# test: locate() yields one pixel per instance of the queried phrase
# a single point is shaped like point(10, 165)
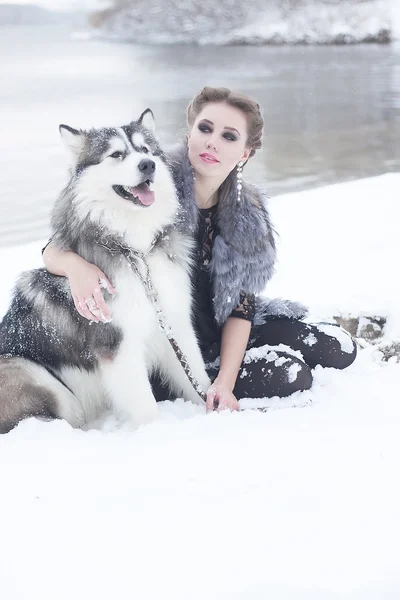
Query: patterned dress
point(207, 329)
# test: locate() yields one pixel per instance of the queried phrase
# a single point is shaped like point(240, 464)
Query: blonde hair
point(255, 122)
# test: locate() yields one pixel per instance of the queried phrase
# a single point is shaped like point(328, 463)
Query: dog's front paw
point(143, 417)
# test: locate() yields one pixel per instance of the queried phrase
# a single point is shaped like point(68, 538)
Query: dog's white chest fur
point(144, 346)
point(134, 311)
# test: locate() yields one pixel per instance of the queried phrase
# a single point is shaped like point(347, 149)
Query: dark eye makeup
point(231, 137)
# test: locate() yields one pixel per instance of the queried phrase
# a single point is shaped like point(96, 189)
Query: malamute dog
point(120, 201)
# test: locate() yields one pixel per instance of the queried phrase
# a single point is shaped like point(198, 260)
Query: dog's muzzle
point(141, 195)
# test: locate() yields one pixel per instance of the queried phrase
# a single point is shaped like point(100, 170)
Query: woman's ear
point(246, 154)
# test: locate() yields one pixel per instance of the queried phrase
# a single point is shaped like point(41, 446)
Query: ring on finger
point(91, 303)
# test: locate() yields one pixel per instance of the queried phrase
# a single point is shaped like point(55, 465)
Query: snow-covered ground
point(293, 504)
point(339, 249)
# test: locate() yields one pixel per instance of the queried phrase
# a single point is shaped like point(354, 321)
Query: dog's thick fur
point(56, 364)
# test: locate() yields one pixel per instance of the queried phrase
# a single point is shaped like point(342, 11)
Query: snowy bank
point(395, 18)
point(339, 249)
point(295, 504)
point(230, 22)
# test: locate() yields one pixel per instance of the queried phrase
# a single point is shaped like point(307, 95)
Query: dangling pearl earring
point(239, 180)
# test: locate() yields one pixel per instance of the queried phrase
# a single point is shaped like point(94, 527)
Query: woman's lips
point(208, 158)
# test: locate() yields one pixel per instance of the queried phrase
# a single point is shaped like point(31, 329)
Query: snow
point(258, 22)
point(320, 22)
point(290, 504)
point(310, 340)
point(344, 340)
point(395, 10)
point(293, 371)
point(339, 248)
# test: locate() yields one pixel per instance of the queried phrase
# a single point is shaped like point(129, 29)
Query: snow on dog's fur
point(54, 363)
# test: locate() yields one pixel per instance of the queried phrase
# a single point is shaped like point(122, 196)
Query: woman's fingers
point(94, 309)
point(104, 283)
point(86, 281)
point(220, 398)
point(226, 405)
point(78, 306)
point(103, 311)
point(211, 397)
point(85, 311)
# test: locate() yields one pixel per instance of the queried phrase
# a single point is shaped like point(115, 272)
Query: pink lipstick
point(208, 158)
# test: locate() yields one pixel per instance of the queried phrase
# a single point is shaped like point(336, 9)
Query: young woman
point(234, 259)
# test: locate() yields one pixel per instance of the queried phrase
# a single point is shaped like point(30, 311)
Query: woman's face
point(218, 140)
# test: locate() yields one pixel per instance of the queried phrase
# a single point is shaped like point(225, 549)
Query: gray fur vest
point(244, 253)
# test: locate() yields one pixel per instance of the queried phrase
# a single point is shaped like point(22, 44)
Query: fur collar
point(244, 252)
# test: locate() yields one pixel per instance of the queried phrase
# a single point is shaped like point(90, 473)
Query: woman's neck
point(206, 191)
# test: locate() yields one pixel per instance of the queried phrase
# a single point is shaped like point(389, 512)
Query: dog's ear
point(72, 138)
point(146, 119)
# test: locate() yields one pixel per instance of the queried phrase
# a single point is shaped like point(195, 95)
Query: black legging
point(276, 372)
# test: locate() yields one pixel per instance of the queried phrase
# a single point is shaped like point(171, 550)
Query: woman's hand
point(86, 281)
point(220, 397)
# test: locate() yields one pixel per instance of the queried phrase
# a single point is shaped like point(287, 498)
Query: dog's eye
point(116, 154)
point(144, 149)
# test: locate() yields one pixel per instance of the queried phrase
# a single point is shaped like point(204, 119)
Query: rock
point(367, 328)
point(350, 324)
point(370, 328)
point(369, 331)
point(389, 350)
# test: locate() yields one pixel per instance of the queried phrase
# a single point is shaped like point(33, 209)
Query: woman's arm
point(85, 280)
point(235, 336)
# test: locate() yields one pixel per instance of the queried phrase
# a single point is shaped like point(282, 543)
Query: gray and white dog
point(120, 200)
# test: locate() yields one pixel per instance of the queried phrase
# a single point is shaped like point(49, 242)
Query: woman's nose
point(212, 143)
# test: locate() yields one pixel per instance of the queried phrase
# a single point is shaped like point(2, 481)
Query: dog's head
point(119, 167)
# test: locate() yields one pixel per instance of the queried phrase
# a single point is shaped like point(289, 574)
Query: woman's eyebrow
point(226, 127)
point(232, 129)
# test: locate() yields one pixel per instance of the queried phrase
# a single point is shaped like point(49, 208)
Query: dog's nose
point(147, 166)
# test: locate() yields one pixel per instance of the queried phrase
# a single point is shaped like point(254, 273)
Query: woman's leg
point(320, 344)
point(264, 374)
point(269, 373)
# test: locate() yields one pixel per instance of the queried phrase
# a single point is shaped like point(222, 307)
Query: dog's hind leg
point(29, 390)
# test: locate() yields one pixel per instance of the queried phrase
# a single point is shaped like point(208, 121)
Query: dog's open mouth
point(142, 194)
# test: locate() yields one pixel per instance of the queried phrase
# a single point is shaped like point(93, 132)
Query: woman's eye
point(204, 128)
point(116, 154)
point(144, 149)
point(230, 137)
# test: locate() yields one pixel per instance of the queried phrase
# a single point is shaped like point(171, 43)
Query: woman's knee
point(278, 374)
point(298, 375)
point(337, 349)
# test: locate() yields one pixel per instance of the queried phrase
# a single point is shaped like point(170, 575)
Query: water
point(331, 113)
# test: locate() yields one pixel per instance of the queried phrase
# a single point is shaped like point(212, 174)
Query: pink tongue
point(145, 195)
